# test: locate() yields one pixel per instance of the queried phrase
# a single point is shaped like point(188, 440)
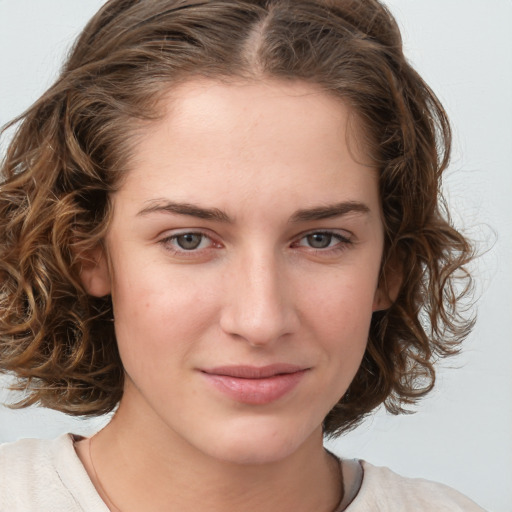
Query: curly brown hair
point(71, 146)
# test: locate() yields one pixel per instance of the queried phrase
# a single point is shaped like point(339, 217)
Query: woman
point(224, 220)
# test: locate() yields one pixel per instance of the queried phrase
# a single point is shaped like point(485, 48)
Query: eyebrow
point(303, 215)
point(165, 206)
point(329, 211)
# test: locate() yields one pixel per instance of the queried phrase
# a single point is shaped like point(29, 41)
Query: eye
point(320, 240)
point(187, 242)
point(324, 240)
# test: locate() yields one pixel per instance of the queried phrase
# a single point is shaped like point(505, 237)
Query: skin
point(267, 283)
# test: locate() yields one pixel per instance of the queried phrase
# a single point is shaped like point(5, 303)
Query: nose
point(259, 301)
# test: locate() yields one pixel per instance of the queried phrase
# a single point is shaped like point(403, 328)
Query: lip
point(255, 385)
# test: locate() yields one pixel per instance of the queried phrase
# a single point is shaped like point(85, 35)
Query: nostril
point(258, 328)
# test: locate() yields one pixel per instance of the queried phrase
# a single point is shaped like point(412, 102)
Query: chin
point(259, 443)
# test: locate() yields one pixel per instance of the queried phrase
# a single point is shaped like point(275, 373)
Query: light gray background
point(461, 435)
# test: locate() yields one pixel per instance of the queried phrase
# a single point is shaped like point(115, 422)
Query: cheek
point(339, 322)
point(340, 314)
point(159, 316)
point(344, 298)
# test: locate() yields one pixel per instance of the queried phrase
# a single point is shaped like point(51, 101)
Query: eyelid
point(341, 234)
point(344, 240)
point(172, 235)
point(344, 237)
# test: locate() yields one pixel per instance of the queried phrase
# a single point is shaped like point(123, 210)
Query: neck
point(176, 476)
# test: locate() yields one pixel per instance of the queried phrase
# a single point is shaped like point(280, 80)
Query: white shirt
point(38, 475)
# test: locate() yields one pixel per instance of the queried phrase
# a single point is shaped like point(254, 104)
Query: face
point(244, 254)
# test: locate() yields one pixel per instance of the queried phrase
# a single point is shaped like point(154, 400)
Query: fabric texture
point(383, 490)
point(47, 476)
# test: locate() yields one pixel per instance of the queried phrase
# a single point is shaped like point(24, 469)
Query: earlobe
point(388, 289)
point(380, 301)
point(94, 272)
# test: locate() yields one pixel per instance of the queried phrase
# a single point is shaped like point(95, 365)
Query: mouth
point(255, 385)
point(254, 372)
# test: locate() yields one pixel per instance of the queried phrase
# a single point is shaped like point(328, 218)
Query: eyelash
point(343, 243)
point(169, 245)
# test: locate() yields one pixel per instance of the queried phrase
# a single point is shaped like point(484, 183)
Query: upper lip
point(254, 372)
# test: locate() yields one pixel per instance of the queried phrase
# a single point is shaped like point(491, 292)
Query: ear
point(95, 272)
point(390, 282)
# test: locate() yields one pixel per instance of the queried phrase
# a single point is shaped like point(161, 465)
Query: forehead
point(282, 137)
point(204, 107)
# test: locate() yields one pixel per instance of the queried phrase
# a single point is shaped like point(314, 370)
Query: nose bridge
point(259, 305)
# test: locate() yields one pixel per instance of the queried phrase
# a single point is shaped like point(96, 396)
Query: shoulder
point(44, 475)
point(24, 464)
point(385, 490)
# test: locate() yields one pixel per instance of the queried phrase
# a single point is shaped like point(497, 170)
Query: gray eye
point(319, 240)
point(189, 241)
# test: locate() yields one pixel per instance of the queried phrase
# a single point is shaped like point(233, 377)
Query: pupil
point(189, 241)
point(319, 240)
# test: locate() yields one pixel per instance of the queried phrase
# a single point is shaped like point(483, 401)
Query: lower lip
point(256, 391)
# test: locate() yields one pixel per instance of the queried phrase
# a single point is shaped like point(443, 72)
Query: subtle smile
point(255, 385)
